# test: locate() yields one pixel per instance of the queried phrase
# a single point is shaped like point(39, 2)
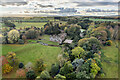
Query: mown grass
point(31, 52)
point(46, 37)
point(49, 42)
point(110, 61)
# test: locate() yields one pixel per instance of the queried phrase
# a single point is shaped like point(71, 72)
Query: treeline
point(103, 17)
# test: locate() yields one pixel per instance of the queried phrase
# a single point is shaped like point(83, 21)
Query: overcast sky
point(10, 6)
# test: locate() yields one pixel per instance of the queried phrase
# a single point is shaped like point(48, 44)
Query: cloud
point(96, 3)
point(13, 2)
point(43, 6)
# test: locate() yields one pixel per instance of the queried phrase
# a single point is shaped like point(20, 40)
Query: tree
point(67, 68)
point(9, 24)
point(13, 36)
point(78, 52)
point(83, 71)
point(74, 32)
point(94, 69)
point(30, 75)
point(54, 69)
point(100, 33)
point(39, 65)
point(82, 75)
point(31, 34)
point(83, 25)
point(89, 30)
point(61, 60)
point(51, 29)
point(77, 62)
point(90, 44)
point(71, 75)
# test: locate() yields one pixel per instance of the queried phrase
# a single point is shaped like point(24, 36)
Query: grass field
point(113, 20)
point(110, 61)
point(27, 24)
point(30, 52)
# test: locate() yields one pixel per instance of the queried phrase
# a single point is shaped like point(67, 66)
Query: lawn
point(110, 61)
point(49, 42)
point(46, 37)
point(30, 52)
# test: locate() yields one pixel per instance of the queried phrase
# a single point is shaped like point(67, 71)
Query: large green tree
point(78, 52)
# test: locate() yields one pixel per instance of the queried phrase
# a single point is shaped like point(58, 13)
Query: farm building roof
point(68, 41)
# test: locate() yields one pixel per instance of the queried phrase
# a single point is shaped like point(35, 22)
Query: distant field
point(30, 52)
point(110, 61)
point(113, 20)
point(28, 24)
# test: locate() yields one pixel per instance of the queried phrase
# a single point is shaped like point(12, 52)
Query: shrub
point(39, 66)
point(13, 36)
point(31, 34)
point(24, 38)
point(20, 73)
point(11, 55)
point(12, 58)
point(45, 75)
point(20, 41)
point(109, 42)
point(6, 68)
point(21, 65)
point(30, 75)
point(4, 30)
point(4, 60)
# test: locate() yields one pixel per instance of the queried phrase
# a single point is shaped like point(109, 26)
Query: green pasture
point(31, 52)
point(113, 20)
point(110, 61)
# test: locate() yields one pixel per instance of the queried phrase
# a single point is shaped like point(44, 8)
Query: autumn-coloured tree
point(13, 36)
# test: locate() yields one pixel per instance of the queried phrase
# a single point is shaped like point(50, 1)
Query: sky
point(19, 6)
